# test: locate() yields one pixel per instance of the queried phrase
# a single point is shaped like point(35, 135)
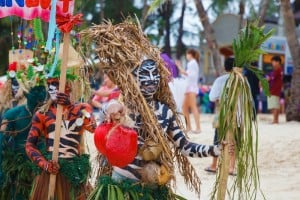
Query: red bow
point(66, 23)
point(12, 66)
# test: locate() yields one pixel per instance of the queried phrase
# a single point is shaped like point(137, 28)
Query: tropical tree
point(209, 36)
point(293, 104)
point(179, 44)
point(263, 10)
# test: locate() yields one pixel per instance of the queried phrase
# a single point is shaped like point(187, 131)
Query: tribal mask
point(53, 85)
point(14, 86)
point(148, 77)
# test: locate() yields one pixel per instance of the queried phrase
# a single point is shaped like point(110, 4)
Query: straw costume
point(132, 63)
point(73, 167)
point(18, 171)
point(11, 95)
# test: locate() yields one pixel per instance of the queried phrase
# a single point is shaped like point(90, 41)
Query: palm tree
point(209, 36)
point(293, 105)
point(263, 10)
point(179, 44)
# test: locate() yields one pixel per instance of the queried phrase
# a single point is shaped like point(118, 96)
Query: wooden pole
point(62, 83)
point(224, 168)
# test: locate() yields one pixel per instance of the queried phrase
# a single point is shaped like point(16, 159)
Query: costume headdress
point(121, 48)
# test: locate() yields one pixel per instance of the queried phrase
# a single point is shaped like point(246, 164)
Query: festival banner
point(30, 9)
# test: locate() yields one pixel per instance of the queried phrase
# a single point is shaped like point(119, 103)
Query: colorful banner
point(30, 9)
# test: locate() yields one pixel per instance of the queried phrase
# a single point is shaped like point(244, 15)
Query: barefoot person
point(162, 144)
point(275, 83)
point(191, 93)
point(72, 167)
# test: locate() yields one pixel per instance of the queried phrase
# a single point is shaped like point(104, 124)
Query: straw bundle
point(121, 48)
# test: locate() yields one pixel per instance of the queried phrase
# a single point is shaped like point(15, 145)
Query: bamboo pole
point(62, 83)
point(229, 138)
point(224, 173)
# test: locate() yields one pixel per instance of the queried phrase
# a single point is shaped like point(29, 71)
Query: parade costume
point(74, 166)
point(17, 168)
point(135, 66)
point(11, 95)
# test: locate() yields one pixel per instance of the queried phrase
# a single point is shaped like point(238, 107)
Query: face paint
point(14, 86)
point(53, 89)
point(148, 77)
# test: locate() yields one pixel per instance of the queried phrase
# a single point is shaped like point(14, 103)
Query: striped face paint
point(148, 77)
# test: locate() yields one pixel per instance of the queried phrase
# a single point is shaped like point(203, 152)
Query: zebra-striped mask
point(148, 77)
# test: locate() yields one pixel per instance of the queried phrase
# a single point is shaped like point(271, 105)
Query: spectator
point(275, 83)
point(214, 96)
point(106, 92)
point(254, 85)
point(190, 98)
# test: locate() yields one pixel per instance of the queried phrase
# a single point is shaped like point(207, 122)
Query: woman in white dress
point(190, 98)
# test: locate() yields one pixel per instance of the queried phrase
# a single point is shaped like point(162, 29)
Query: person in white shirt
point(214, 96)
point(190, 99)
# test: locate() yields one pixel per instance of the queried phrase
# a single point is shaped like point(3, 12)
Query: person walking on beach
point(275, 83)
point(215, 96)
point(190, 98)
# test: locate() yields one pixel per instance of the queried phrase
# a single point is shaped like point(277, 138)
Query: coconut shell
point(164, 176)
point(151, 151)
point(150, 173)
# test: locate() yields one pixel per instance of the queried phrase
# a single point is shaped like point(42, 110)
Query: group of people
point(137, 92)
point(28, 133)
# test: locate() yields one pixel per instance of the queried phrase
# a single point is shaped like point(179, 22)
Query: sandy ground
point(278, 159)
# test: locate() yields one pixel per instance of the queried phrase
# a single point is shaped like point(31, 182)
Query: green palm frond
point(247, 49)
point(155, 5)
point(237, 122)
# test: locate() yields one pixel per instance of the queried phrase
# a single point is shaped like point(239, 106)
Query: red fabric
point(100, 136)
point(118, 144)
point(100, 98)
point(114, 95)
point(121, 146)
point(66, 23)
point(276, 82)
point(12, 66)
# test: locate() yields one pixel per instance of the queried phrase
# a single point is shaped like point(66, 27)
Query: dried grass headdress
point(121, 48)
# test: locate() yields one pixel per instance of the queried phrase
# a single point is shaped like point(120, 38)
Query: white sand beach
point(278, 159)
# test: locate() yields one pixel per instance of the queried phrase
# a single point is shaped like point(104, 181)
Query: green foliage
point(260, 75)
point(38, 32)
point(107, 188)
point(70, 72)
point(117, 11)
point(247, 49)
point(155, 5)
point(237, 120)
point(30, 73)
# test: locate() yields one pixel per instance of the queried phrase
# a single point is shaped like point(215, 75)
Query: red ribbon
point(66, 23)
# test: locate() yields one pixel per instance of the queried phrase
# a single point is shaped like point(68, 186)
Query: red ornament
point(121, 146)
point(66, 23)
point(100, 136)
point(12, 66)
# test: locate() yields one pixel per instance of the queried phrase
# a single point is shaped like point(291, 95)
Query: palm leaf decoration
point(237, 121)
point(155, 5)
